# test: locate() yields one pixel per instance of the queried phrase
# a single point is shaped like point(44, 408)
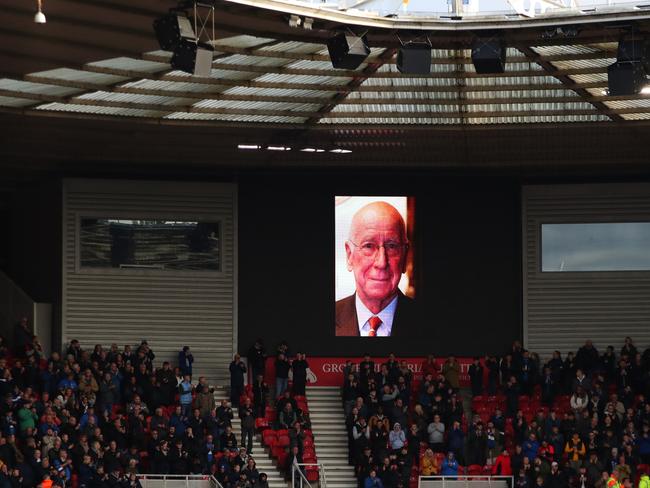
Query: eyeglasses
point(369, 249)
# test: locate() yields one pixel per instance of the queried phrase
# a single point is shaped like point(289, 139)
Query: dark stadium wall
point(35, 251)
point(468, 266)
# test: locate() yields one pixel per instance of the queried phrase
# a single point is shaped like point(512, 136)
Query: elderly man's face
point(377, 274)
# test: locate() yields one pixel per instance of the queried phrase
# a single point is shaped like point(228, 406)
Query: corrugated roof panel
point(236, 118)
point(295, 47)
point(37, 88)
point(396, 109)
point(402, 95)
point(642, 103)
point(643, 116)
point(309, 64)
point(523, 107)
point(524, 81)
point(160, 54)
point(562, 50)
point(227, 74)
point(538, 119)
point(589, 78)
point(131, 64)
point(410, 82)
point(584, 63)
point(17, 102)
point(279, 92)
point(173, 86)
point(244, 41)
point(91, 109)
point(514, 94)
point(314, 80)
point(132, 98)
point(393, 121)
point(435, 68)
point(253, 60)
point(250, 105)
point(77, 75)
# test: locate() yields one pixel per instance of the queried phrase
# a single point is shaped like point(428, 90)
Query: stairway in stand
point(330, 436)
point(261, 456)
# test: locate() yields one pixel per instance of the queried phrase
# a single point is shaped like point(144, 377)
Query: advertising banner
point(328, 371)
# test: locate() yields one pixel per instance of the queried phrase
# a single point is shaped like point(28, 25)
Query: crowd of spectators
point(576, 421)
point(101, 417)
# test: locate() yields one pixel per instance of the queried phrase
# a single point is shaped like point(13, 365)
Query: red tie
point(374, 322)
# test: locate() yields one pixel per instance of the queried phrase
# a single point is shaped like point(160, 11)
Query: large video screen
point(373, 249)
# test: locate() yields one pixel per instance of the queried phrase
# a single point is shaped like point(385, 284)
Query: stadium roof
point(287, 79)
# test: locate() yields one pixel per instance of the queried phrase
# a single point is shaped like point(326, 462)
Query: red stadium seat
point(283, 441)
point(261, 424)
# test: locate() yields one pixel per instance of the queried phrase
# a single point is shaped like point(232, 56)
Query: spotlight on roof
point(347, 51)
point(489, 55)
point(414, 58)
point(175, 33)
point(39, 17)
point(339, 150)
point(249, 146)
point(193, 57)
point(627, 76)
point(278, 148)
point(171, 29)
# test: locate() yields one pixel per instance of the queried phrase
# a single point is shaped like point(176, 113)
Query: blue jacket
point(373, 482)
point(449, 468)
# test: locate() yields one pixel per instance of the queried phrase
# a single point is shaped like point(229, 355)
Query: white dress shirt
point(386, 316)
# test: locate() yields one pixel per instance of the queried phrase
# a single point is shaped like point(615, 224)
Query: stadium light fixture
point(489, 55)
point(628, 75)
point(39, 17)
point(414, 58)
point(347, 51)
point(189, 38)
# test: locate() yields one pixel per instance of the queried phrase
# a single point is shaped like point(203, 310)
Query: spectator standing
point(282, 368)
point(299, 367)
point(22, 337)
point(476, 377)
point(237, 371)
point(247, 416)
point(451, 372)
point(185, 392)
point(185, 360)
point(257, 359)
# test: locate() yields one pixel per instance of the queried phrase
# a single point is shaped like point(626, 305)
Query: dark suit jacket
point(405, 318)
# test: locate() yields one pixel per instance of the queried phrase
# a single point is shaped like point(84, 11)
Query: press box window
point(150, 244)
point(596, 247)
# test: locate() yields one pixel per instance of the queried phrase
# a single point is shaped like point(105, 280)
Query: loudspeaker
point(414, 58)
point(636, 50)
point(489, 56)
point(625, 78)
point(194, 58)
point(171, 29)
point(347, 51)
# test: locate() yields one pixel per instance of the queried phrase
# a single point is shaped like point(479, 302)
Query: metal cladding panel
point(563, 309)
point(169, 309)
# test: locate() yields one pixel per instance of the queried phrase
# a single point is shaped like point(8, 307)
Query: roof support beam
point(568, 82)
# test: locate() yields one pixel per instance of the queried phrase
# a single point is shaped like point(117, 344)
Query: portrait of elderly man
point(376, 252)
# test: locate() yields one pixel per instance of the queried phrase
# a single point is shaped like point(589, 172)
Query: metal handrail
point(187, 477)
point(467, 478)
point(321, 473)
point(296, 467)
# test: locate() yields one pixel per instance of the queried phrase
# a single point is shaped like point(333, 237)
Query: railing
point(299, 479)
point(178, 481)
point(466, 481)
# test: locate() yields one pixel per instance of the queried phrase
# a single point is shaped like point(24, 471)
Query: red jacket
point(502, 466)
